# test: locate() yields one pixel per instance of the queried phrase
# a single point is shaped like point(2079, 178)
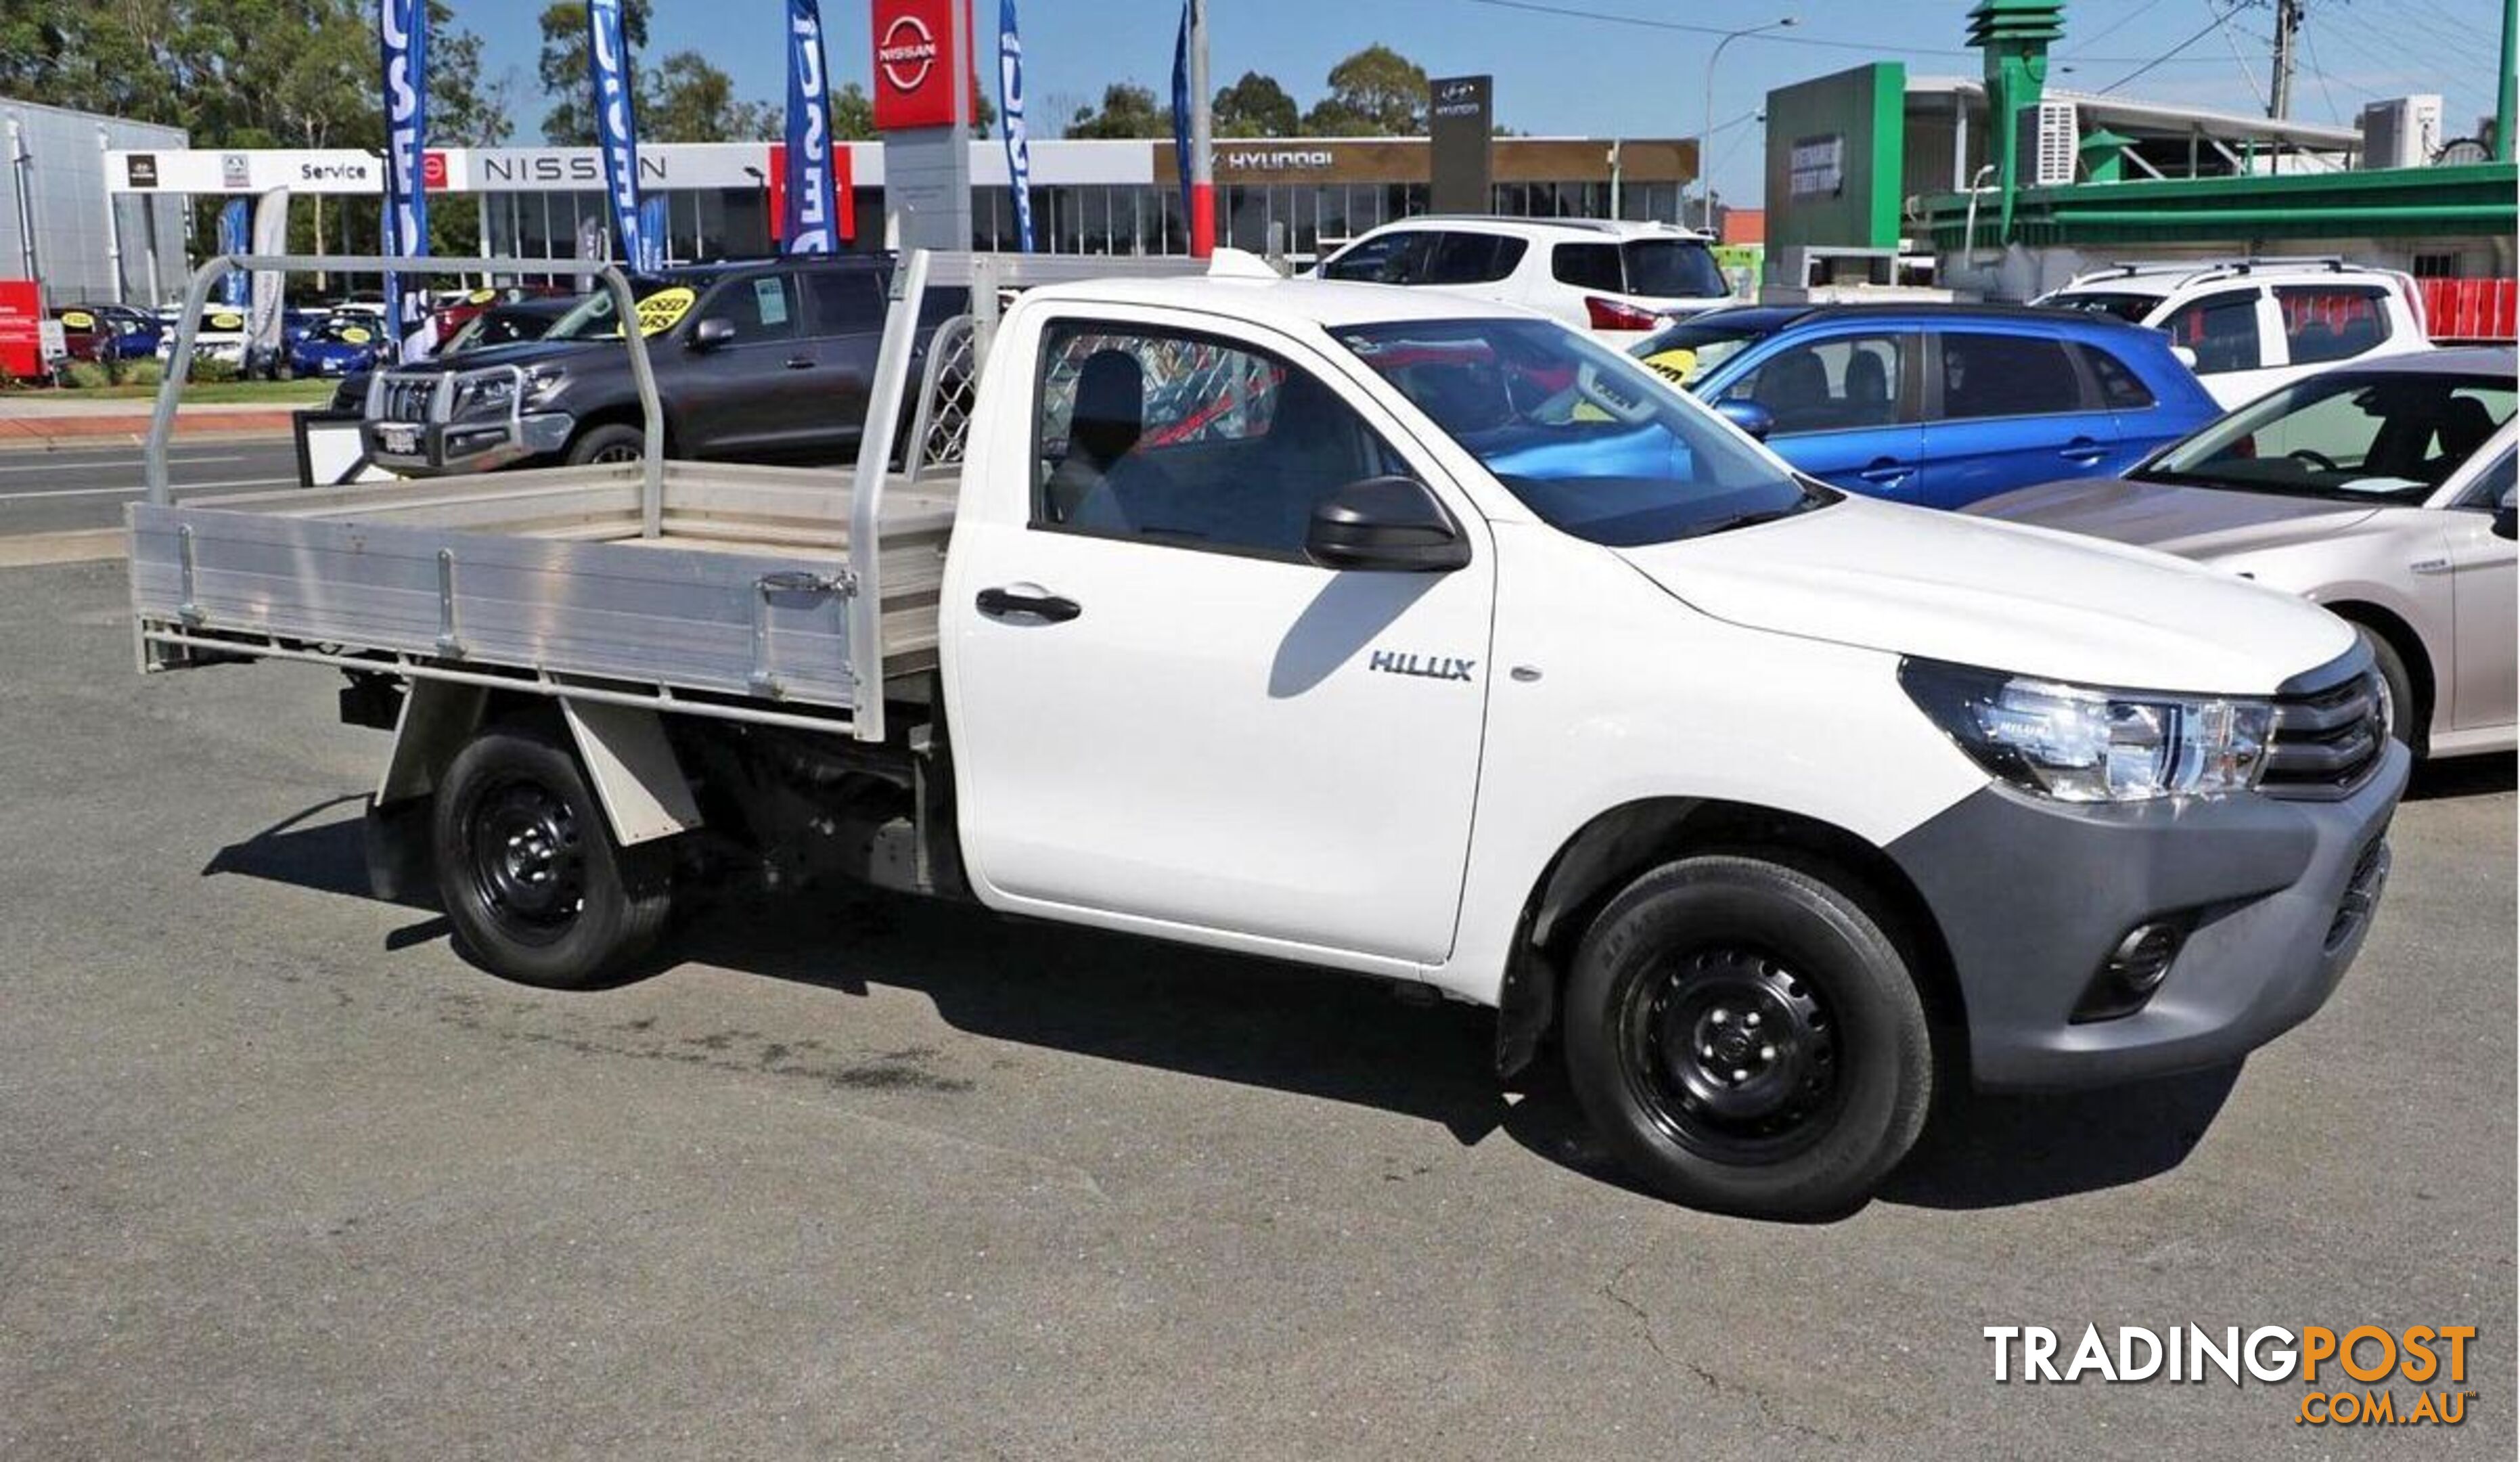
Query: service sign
point(916, 61)
point(21, 328)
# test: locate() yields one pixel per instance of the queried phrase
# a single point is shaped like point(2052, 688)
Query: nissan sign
point(917, 54)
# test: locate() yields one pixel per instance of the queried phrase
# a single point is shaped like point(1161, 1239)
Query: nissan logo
point(908, 53)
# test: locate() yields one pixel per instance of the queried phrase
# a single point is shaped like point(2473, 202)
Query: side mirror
point(2506, 516)
point(712, 335)
point(1748, 415)
point(2185, 357)
point(1393, 525)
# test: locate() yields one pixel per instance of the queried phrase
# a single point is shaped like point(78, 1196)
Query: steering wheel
point(2320, 460)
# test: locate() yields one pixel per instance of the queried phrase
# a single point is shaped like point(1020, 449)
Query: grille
point(407, 398)
point(2326, 742)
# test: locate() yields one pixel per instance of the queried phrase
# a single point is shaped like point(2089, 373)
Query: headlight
point(2082, 745)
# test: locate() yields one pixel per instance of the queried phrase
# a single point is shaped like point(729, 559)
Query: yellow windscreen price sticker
point(664, 310)
point(356, 336)
point(227, 321)
point(77, 319)
point(483, 296)
point(1680, 364)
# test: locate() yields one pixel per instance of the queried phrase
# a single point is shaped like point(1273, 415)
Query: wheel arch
point(2403, 638)
point(1621, 845)
point(620, 414)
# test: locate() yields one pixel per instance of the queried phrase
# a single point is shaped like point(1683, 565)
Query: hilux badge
point(1427, 666)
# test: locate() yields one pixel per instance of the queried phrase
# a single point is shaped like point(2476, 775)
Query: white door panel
point(1209, 742)
point(2485, 580)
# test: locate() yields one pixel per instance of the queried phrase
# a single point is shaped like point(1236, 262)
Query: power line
point(2247, 76)
point(2211, 27)
point(1645, 23)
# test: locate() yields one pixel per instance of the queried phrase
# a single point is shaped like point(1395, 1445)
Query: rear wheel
point(1744, 1037)
point(612, 442)
point(528, 872)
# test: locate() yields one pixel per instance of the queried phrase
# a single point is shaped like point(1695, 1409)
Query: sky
point(1563, 74)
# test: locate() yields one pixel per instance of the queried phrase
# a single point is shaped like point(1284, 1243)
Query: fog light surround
point(2134, 970)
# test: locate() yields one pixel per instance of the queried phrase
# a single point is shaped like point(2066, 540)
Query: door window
point(2121, 390)
point(844, 303)
point(1473, 258)
point(1188, 441)
point(2332, 322)
point(1845, 382)
point(1392, 259)
point(760, 308)
point(2221, 328)
point(1589, 266)
point(1986, 374)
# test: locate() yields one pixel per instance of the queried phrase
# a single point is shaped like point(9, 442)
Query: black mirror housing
point(1392, 524)
point(712, 333)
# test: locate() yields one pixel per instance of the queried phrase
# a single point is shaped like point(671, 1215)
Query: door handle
point(2083, 451)
point(1886, 472)
point(801, 362)
point(1027, 600)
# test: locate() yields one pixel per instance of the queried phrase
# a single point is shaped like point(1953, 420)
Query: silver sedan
point(2382, 491)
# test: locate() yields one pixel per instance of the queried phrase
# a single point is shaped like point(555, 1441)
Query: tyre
point(616, 442)
point(527, 870)
point(2405, 713)
point(1745, 1038)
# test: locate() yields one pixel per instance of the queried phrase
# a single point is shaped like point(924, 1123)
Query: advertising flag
point(616, 125)
point(270, 235)
point(1180, 114)
point(809, 205)
point(1011, 119)
point(232, 239)
point(402, 35)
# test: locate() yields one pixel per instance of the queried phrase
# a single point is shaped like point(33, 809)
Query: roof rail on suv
point(2197, 271)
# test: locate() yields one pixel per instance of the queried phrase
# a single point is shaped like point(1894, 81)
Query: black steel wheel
point(1745, 1038)
point(1731, 1053)
point(529, 873)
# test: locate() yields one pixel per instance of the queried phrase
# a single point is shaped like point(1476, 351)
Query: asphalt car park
point(851, 1175)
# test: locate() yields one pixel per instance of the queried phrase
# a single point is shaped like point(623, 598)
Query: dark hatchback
point(1937, 404)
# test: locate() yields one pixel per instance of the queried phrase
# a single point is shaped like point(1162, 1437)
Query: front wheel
point(613, 441)
point(1745, 1038)
point(528, 871)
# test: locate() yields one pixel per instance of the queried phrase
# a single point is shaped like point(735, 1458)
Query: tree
point(1378, 92)
point(693, 100)
point(852, 115)
point(1127, 111)
point(563, 68)
point(1256, 106)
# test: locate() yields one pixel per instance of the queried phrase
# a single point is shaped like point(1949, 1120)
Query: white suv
point(1614, 278)
point(2253, 324)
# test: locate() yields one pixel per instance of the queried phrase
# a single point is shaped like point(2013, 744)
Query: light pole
point(1706, 137)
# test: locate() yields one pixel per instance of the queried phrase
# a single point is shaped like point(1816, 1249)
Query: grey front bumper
point(2032, 895)
point(441, 447)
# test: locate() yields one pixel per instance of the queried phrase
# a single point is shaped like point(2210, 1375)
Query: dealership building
point(1088, 197)
point(60, 222)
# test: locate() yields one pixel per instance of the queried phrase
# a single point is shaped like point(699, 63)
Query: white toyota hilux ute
point(1392, 632)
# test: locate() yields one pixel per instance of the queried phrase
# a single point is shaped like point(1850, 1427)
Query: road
point(280, 1175)
point(85, 487)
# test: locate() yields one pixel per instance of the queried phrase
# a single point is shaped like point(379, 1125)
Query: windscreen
point(1586, 439)
point(1673, 269)
point(1687, 353)
point(2376, 437)
point(662, 303)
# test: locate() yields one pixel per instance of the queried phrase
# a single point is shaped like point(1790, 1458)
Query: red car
point(452, 317)
point(85, 335)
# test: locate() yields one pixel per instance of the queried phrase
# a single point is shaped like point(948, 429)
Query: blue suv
point(1937, 404)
